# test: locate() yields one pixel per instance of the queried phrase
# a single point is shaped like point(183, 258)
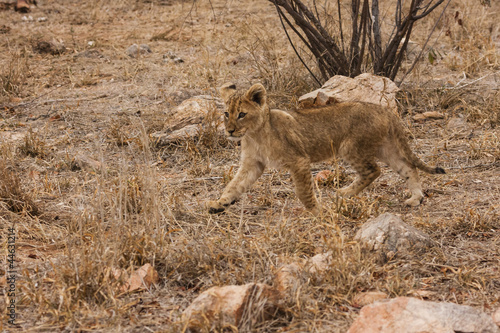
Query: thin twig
point(34, 99)
point(340, 26)
point(470, 83)
point(50, 101)
point(280, 14)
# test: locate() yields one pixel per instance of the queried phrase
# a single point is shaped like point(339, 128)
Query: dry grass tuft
point(33, 145)
point(476, 223)
point(12, 194)
point(13, 76)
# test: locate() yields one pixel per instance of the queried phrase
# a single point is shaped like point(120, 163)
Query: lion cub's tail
point(410, 156)
point(424, 167)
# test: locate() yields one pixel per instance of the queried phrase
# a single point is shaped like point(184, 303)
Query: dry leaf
point(428, 115)
point(142, 278)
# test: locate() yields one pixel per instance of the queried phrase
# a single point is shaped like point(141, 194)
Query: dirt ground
point(87, 190)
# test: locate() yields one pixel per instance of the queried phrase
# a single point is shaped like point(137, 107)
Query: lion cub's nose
point(231, 131)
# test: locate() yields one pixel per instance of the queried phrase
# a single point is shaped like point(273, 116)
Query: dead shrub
point(33, 145)
point(11, 192)
point(14, 75)
point(475, 223)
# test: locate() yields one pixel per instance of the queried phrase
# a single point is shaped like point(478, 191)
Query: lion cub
point(360, 133)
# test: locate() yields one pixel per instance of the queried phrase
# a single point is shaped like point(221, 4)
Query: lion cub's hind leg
point(408, 172)
point(367, 171)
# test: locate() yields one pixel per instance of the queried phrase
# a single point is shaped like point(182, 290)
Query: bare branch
point(340, 26)
point(377, 36)
point(364, 41)
point(280, 13)
point(428, 11)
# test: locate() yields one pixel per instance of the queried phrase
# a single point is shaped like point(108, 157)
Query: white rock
point(363, 88)
point(389, 233)
point(135, 50)
point(411, 315)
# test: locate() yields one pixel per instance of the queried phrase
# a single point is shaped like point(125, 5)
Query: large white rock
point(411, 315)
point(363, 88)
point(237, 306)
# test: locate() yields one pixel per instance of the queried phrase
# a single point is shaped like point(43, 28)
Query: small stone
point(169, 56)
point(135, 50)
point(324, 176)
point(144, 48)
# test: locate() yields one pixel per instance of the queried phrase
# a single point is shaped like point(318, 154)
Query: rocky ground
point(92, 195)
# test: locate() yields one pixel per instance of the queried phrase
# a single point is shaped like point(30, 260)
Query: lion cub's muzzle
point(234, 135)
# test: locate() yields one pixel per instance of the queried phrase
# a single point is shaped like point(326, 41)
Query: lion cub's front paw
point(215, 207)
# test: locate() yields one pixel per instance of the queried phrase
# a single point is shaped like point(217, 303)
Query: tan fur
point(359, 133)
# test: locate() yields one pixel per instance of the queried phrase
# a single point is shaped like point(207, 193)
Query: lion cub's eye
point(226, 114)
point(241, 115)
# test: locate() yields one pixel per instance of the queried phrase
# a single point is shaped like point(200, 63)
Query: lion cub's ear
point(257, 94)
point(227, 90)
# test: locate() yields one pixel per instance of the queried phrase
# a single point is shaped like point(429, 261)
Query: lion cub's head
point(245, 111)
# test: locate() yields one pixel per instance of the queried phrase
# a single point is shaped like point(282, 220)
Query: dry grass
point(135, 203)
point(12, 194)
